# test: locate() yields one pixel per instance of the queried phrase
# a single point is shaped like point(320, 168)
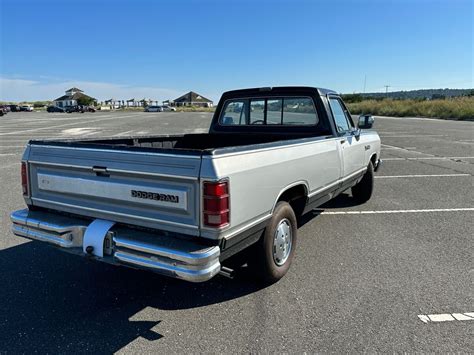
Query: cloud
point(32, 90)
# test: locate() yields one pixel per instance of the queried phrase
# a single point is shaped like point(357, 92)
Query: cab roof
point(278, 90)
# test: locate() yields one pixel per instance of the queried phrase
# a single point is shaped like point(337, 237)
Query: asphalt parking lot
point(392, 275)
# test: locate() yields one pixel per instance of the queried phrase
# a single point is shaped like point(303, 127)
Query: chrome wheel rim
point(282, 242)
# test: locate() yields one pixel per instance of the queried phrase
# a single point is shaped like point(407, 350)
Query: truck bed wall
point(187, 142)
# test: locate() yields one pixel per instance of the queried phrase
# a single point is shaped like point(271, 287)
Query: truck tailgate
point(155, 190)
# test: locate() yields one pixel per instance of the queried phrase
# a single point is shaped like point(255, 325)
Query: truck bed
point(190, 143)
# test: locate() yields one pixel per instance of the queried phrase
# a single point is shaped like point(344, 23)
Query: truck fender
point(302, 183)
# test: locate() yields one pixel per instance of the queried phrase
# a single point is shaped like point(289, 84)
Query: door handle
point(343, 140)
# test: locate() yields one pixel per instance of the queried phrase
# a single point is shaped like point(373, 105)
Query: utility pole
point(365, 81)
point(386, 90)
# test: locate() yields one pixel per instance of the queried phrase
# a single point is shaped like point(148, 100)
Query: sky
point(162, 49)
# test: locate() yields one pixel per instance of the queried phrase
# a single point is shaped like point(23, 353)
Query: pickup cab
point(180, 205)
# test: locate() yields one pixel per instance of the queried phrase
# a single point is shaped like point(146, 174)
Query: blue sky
point(161, 49)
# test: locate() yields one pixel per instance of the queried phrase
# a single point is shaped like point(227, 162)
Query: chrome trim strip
point(197, 156)
point(217, 154)
point(114, 170)
point(247, 226)
point(338, 181)
point(154, 220)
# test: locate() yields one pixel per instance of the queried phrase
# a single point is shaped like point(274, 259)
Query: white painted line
point(441, 317)
point(9, 165)
point(419, 176)
point(445, 317)
point(386, 146)
point(65, 125)
point(431, 210)
point(460, 316)
point(412, 135)
point(426, 158)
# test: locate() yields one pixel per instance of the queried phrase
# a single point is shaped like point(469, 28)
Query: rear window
point(297, 111)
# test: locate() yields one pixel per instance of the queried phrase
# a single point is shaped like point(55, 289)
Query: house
point(71, 97)
point(192, 99)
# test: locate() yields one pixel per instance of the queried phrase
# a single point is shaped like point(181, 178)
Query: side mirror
point(366, 121)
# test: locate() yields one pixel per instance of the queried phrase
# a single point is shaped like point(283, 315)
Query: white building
point(71, 97)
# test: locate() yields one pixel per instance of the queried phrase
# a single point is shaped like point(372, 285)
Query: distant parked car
point(168, 108)
point(4, 109)
point(79, 108)
point(55, 109)
point(154, 109)
point(75, 108)
point(26, 108)
point(14, 108)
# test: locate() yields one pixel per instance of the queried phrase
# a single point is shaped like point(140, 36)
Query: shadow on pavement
point(55, 302)
point(341, 201)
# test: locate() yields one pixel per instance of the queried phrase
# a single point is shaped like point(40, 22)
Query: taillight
point(24, 178)
point(216, 203)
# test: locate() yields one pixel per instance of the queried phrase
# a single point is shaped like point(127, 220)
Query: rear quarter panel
point(257, 177)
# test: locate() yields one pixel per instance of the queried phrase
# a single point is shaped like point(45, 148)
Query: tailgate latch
point(100, 171)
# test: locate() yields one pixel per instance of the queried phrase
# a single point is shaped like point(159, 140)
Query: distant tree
point(39, 104)
point(86, 101)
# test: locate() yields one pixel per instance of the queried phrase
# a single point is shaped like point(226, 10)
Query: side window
point(299, 111)
point(274, 111)
point(257, 111)
point(234, 114)
point(339, 114)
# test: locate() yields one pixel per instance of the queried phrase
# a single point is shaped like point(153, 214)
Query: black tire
point(362, 192)
point(262, 260)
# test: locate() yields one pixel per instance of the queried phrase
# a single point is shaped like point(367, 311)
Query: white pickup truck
point(180, 205)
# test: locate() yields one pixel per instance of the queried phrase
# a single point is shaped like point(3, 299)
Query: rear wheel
point(362, 192)
point(274, 253)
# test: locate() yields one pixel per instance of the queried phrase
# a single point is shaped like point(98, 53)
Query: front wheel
point(274, 253)
point(362, 192)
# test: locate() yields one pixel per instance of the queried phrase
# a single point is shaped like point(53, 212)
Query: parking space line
point(386, 146)
point(9, 165)
point(412, 136)
point(426, 158)
point(63, 125)
point(446, 317)
point(431, 210)
point(419, 176)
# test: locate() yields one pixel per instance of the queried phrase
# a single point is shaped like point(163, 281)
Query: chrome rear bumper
point(162, 253)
